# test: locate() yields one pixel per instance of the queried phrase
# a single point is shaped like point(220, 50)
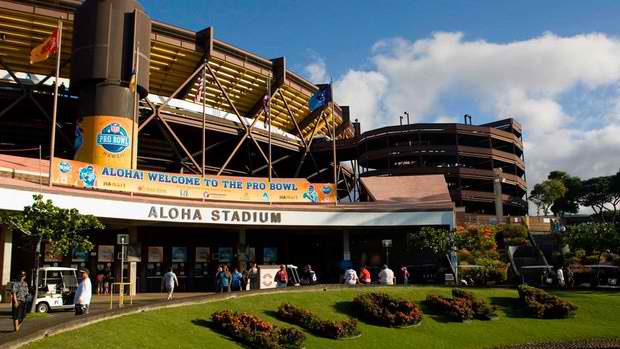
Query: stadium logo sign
point(64, 167)
point(113, 138)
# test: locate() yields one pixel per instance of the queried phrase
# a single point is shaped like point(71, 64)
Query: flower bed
point(544, 305)
point(385, 310)
point(462, 306)
point(324, 328)
point(255, 332)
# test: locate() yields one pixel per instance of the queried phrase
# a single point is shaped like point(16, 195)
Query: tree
point(64, 229)
point(439, 241)
point(594, 238)
point(602, 194)
point(546, 193)
point(569, 202)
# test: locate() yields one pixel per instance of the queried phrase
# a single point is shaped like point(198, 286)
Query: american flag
point(266, 100)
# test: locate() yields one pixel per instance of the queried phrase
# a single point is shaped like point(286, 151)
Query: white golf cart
point(57, 287)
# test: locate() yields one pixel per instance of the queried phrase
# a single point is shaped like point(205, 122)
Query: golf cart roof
point(57, 269)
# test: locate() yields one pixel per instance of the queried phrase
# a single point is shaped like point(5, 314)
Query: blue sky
point(552, 65)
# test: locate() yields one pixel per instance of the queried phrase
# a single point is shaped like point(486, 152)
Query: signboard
point(105, 253)
point(122, 239)
point(222, 188)
point(270, 254)
point(179, 254)
point(155, 254)
point(386, 243)
point(202, 254)
point(225, 254)
point(78, 255)
point(267, 275)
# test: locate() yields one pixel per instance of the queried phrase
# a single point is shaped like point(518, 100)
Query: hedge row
point(256, 333)
point(544, 305)
point(324, 328)
point(462, 306)
point(385, 310)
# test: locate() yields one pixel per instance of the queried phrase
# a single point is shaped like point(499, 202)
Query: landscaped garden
point(320, 316)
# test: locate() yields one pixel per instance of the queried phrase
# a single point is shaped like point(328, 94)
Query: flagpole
point(268, 111)
point(334, 141)
point(55, 107)
point(134, 146)
point(204, 117)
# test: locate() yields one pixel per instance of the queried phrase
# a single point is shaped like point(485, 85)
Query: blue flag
point(321, 98)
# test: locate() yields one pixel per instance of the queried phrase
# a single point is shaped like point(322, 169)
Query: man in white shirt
point(83, 294)
point(386, 276)
point(170, 281)
point(350, 277)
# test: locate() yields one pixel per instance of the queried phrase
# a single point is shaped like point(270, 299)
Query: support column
point(346, 251)
point(242, 250)
point(6, 246)
point(132, 271)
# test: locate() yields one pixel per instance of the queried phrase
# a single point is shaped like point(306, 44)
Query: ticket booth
point(154, 270)
point(200, 270)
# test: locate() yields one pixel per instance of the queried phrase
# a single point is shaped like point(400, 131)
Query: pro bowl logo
point(326, 189)
point(64, 167)
point(88, 176)
point(113, 138)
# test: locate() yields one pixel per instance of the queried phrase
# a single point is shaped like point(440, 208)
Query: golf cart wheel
point(43, 308)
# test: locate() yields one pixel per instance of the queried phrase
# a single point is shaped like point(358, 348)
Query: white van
point(57, 287)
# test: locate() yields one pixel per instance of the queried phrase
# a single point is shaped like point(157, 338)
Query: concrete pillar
point(242, 250)
point(346, 251)
point(133, 266)
point(6, 246)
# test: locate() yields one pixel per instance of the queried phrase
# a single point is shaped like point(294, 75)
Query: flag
point(199, 91)
point(45, 49)
point(266, 100)
point(133, 83)
point(321, 98)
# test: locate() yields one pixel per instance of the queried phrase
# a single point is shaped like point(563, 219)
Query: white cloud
point(316, 71)
point(533, 81)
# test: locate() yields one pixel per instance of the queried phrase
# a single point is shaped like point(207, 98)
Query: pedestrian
point(245, 280)
point(224, 280)
point(404, 273)
point(100, 277)
point(83, 294)
point(309, 276)
point(253, 276)
point(170, 281)
point(236, 280)
point(217, 278)
point(350, 277)
point(281, 278)
point(365, 276)
point(386, 276)
point(560, 276)
point(19, 296)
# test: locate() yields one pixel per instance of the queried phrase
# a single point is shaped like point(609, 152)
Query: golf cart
point(57, 287)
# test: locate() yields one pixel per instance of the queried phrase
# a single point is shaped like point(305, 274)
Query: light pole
point(407, 117)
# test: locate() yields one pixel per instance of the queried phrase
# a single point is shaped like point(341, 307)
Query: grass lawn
point(598, 316)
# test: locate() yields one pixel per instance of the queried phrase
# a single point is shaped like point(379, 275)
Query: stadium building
point(205, 153)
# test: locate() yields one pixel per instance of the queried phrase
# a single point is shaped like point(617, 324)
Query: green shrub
point(544, 305)
point(514, 234)
point(458, 309)
point(385, 310)
point(325, 328)
point(256, 333)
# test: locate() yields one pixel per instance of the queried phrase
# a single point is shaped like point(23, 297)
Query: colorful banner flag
point(321, 98)
point(45, 49)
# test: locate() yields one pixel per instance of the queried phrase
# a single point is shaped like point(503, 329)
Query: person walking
point(253, 276)
point(350, 277)
point(236, 278)
point(386, 276)
point(281, 278)
point(309, 276)
point(404, 273)
point(170, 281)
point(224, 280)
point(19, 296)
point(365, 276)
point(83, 294)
